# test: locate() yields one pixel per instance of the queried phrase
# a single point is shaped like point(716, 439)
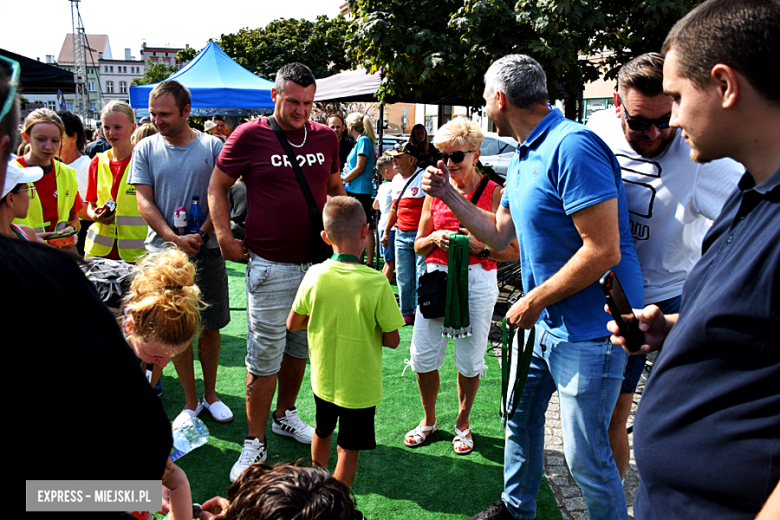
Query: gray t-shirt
point(175, 173)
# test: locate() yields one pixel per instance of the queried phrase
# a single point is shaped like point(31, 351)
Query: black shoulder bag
point(432, 287)
point(319, 251)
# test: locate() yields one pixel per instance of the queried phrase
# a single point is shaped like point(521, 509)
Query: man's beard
point(651, 154)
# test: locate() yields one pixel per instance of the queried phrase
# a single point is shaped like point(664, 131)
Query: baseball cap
point(406, 148)
point(15, 175)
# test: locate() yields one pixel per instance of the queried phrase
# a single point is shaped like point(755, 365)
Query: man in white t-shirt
point(672, 202)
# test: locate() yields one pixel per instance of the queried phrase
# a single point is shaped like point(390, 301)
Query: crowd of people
point(676, 190)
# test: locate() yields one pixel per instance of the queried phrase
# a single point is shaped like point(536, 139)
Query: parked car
point(391, 141)
point(497, 152)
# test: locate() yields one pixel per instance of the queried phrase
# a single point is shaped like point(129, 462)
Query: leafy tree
point(318, 44)
point(155, 73)
point(410, 42)
point(424, 44)
point(186, 55)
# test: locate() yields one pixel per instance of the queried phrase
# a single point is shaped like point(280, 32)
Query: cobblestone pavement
point(567, 493)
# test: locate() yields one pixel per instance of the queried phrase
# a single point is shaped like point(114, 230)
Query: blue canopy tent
point(218, 85)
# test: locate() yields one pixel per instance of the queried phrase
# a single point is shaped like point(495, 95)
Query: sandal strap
point(422, 432)
point(460, 436)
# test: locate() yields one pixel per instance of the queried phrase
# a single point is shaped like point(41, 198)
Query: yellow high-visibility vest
point(129, 228)
point(67, 189)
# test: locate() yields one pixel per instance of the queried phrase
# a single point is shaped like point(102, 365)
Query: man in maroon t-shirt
point(278, 235)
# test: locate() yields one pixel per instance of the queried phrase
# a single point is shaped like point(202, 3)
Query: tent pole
point(381, 131)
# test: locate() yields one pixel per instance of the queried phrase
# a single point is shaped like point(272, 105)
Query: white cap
point(15, 175)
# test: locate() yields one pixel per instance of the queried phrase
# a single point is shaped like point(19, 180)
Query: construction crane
point(81, 105)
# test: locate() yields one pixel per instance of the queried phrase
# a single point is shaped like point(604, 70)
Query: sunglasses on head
point(640, 124)
point(457, 157)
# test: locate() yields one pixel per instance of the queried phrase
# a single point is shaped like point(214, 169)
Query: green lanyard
point(345, 258)
point(456, 311)
point(510, 397)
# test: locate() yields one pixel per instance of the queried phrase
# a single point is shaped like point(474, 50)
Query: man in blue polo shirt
point(707, 433)
point(564, 200)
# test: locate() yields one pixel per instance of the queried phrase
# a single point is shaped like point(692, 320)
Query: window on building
point(154, 61)
point(91, 86)
point(446, 114)
point(123, 87)
point(110, 87)
point(167, 61)
point(124, 69)
point(70, 106)
point(111, 68)
point(52, 105)
point(106, 69)
point(92, 107)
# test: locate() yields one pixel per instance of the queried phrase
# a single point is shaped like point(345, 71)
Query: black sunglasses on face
point(457, 157)
point(640, 124)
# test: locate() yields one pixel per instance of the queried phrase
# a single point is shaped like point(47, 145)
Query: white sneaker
point(293, 426)
point(253, 452)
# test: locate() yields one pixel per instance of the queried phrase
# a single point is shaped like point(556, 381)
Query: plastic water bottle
point(344, 172)
point(196, 217)
point(189, 435)
point(180, 221)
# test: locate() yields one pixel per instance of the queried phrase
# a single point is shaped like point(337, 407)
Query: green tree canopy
point(427, 44)
point(318, 44)
point(160, 71)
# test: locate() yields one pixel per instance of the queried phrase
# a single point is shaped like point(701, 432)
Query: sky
point(41, 25)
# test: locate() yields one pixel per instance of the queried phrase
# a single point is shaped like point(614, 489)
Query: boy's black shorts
point(356, 426)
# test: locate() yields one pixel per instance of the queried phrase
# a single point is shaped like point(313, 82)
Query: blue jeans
point(408, 268)
point(587, 376)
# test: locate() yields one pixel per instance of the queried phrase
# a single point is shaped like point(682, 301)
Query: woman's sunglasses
point(29, 189)
point(640, 124)
point(457, 157)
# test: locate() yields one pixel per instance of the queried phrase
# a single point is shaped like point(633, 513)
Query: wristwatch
point(485, 252)
point(205, 236)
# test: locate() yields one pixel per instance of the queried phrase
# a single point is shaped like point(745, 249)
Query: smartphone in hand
point(621, 311)
point(110, 207)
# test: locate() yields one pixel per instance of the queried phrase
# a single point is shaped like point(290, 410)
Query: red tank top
point(444, 219)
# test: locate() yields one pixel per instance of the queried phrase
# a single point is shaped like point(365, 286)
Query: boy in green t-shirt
point(351, 312)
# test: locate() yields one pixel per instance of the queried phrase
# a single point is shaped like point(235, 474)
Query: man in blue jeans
point(564, 200)
point(404, 217)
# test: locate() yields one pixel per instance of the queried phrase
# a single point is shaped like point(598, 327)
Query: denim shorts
point(636, 364)
point(270, 291)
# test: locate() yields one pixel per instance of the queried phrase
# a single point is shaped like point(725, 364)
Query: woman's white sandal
point(419, 434)
point(460, 438)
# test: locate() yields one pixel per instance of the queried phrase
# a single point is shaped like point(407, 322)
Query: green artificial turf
point(393, 481)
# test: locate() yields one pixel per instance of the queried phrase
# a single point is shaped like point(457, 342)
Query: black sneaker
point(496, 511)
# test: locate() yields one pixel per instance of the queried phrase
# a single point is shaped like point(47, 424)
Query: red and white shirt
point(410, 206)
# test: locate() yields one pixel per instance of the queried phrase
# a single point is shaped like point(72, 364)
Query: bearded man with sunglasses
point(672, 202)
